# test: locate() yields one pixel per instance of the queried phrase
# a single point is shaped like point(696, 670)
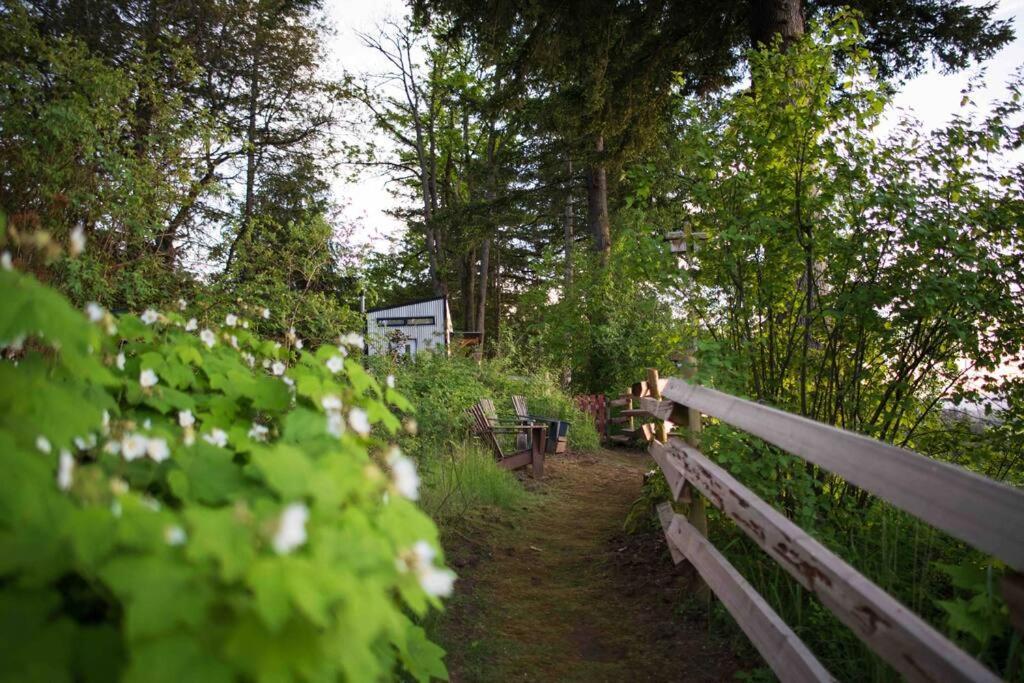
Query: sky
point(932, 98)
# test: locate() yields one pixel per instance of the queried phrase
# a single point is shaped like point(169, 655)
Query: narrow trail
point(557, 592)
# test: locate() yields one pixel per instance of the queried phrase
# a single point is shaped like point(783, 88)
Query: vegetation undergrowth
point(183, 499)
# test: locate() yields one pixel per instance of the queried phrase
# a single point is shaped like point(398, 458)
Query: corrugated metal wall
point(380, 339)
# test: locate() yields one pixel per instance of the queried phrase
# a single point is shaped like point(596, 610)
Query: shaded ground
point(557, 592)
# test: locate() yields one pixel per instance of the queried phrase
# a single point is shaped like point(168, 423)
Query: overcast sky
point(932, 97)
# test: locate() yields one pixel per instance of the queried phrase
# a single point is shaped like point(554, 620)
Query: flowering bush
point(185, 501)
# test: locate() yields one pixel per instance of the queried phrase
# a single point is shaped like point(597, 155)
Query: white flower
point(231, 320)
point(65, 469)
point(265, 313)
point(94, 311)
point(437, 582)
point(191, 325)
point(208, 338)
point(112, 447)
point(105, 424)
point(331, 402)
point(84, 444)
point(335, 364)
point(118, 486)
point(403, 475)
point(258, 432)
point(133, 446)
point(217, 437)
point(291, 528)
point(352, 339)
point(148, 378)
point(289, 381)
point(182, 304)
point(266, 363)
point(43, 444)
point(233, 341)
point(147, 423)
point(249, 359)
point(175, 535)
point(186, 418)
point(298, 343)
point(5, 261)
point(157, 450)
point(149, 316)
point(390, 381)
point(343, 350)
point(119, 361)
point(76, 243)
point(189, 437)
point(335, 424)
point(359, 421)
point(277, 368)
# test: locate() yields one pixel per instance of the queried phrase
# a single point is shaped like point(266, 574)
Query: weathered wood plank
point(514, 462)
point(982, 512)
point(665, 514)
point(896, 634)
point(784, 652)
point(619, 402)
point(641, 389)
point(634, 412)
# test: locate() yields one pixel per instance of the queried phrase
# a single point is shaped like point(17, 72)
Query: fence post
point(697, 514)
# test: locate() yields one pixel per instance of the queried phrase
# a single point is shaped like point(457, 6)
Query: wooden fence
point(983, 513)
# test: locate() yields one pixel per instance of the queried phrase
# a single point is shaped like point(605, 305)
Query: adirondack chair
point(557, 441)
point(489, 429)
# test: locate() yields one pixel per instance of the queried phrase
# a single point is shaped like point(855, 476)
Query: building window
point(406, 322)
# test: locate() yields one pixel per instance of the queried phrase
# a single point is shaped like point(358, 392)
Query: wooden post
point(537, 457)
point(662, 428)
point(697, 515)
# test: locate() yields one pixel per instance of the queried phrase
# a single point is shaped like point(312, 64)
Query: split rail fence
point(983, 513)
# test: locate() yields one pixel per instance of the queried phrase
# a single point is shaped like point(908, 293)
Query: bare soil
point(558, 592)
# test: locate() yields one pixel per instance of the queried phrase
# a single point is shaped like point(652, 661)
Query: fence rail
point(986, 514)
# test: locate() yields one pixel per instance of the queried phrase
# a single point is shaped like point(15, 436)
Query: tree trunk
point(485, 254)
point(597, 203)
point(769, 18)
point(567, 226)
point(469, 292)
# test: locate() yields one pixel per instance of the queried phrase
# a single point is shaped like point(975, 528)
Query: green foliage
point(442, 388)
point(467, 478)
point(211, 506)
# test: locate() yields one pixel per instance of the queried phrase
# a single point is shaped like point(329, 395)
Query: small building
point(409, 328)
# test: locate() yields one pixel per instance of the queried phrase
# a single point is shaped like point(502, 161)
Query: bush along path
point(557, 592)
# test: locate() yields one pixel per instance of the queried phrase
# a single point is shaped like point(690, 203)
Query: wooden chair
point(556, 430)
point(489, 431)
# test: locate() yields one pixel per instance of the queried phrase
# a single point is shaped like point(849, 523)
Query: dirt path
point(558, 593)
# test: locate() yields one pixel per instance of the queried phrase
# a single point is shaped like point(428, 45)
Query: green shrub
point(442, 387)
point(183, 501)
point(468, 478)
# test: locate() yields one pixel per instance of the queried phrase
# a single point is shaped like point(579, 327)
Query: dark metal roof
point(406, 303)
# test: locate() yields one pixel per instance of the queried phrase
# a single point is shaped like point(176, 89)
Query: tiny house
point(409, 328)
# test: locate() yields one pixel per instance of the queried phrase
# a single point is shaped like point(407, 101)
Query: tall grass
point(467, 478)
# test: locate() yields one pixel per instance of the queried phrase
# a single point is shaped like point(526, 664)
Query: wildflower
point(352, 339)
point(175, 535)
point(43, 444)
point(289, 381)
point(217, 437)
point(343, 351)
point(335, 424)
point(112, 447)
point(335, 364)
point(231, 320)
point(119, 361)
point(298, 343)
point(291, 528)
point(258, 432)
point(65, 469)
point(266, 363)
point(182, 304)
point(118, 486)
point(5, 261)
point(403, 475)
point(359, 421)
point(94, 311)
point(233, 340)
point(434, 580)
point(265, 313)
point(158, 450)
point(249, 359)
point(437, 582)
point(149, 316)
point(76, 242)
point(148, 378)
point(277, 368)
point(331, 402)
point(191, 325)
point(390, 381)
point(105, 424)
point(208, 338)
point(133, 446)
point(84, 444)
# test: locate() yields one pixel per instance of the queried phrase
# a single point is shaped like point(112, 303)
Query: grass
point(466, 478)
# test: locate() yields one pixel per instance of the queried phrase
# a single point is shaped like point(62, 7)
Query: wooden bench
point(557, 441)
point(488, 426)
